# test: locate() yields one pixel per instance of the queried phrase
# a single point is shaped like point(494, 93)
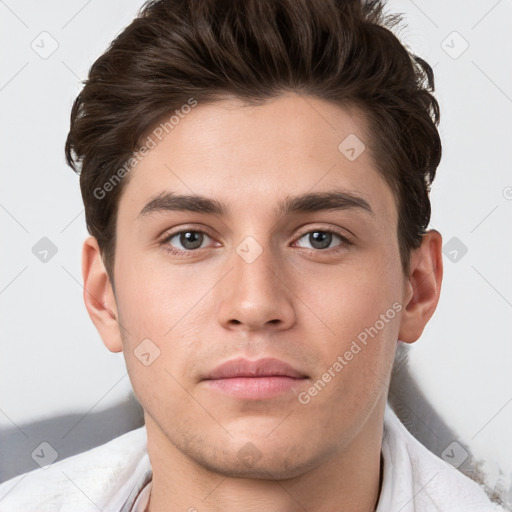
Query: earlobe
point(99, 296)
point(423, 287)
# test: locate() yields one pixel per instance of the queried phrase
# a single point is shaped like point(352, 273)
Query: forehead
point(244, 155)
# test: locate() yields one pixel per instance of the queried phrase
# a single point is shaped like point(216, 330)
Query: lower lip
point(255, 388)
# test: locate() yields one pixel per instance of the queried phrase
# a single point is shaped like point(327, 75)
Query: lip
point(254, 380)
point(266, 367)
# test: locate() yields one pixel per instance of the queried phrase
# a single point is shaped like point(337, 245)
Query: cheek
point(356, 357)
point(158, 337)
point(152, 299)
point(360, 313)
point(350, 299)
point(163, 318)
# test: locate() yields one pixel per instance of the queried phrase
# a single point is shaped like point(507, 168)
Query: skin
point(296, 302)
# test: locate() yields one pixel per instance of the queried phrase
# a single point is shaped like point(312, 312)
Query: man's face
point(318, 289)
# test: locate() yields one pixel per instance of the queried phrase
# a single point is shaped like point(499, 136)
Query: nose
point(256, 293)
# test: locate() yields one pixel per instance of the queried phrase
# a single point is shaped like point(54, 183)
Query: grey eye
point(320, 239)
point(189, 240)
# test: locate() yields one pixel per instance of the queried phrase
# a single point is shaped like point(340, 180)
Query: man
point(255, 177)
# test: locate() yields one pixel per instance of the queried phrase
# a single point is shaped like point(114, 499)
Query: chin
point(260, 459)
point(275, 469)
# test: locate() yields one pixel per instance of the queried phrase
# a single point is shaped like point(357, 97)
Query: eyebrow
point(305, 203)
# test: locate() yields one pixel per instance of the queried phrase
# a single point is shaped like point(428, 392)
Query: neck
point(348, 481)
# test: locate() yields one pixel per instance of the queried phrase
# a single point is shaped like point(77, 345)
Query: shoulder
point(421, 481)
point(100, 478)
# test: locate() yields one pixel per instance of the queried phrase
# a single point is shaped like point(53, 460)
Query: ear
point(99, 296)
point(423, 287)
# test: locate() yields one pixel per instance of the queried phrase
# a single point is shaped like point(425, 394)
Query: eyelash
point(169, 249)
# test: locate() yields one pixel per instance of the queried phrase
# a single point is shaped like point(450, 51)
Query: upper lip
point(265, 367)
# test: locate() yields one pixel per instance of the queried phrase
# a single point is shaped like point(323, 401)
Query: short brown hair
point(342, 51)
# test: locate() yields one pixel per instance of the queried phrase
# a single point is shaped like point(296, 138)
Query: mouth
point(255, 380)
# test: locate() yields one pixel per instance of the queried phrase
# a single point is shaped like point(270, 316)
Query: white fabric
point(116, 477)
point(141, 501)
point(416, 480)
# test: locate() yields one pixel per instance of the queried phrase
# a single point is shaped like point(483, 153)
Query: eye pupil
point(191, 239)
point(320, 239)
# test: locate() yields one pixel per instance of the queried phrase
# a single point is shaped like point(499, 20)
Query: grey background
point(60, 385)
